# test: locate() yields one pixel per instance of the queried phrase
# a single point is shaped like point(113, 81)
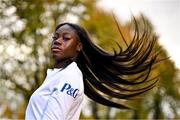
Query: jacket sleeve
point(60, 102)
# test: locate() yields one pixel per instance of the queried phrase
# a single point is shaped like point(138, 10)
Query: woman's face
point(65, 43)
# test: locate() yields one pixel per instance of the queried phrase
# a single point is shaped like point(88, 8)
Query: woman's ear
point(79, 47)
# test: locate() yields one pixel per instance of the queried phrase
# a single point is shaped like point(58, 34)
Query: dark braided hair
point(110, 77)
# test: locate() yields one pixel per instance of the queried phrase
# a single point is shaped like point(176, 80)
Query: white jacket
point(59, 97)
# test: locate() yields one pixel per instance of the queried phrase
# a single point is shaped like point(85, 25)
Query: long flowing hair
point(109, 77)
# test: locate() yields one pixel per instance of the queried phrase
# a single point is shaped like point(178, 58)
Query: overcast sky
point(164, 15)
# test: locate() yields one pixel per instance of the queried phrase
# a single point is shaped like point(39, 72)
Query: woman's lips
point(55, 49)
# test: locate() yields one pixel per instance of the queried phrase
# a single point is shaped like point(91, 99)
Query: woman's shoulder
point(71, 77)
point(72, 73)
point(73, 70)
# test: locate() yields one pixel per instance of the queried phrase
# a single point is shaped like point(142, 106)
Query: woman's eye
point(54, 38)
point(66, 38)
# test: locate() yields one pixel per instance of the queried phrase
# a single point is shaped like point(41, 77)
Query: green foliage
point(25, 55)
point(102, 27)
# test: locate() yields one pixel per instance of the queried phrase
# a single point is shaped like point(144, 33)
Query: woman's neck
point(62, 64)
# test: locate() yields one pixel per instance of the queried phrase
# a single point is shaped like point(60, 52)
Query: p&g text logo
point(69, 90)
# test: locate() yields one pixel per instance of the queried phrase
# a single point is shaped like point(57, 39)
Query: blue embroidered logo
point(69, 90)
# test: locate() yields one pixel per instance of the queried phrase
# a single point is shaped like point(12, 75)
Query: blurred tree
point(25, 36)
point(162, 101)
point(26, 28)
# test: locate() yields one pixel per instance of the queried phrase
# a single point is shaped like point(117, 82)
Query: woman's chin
point(56, 57)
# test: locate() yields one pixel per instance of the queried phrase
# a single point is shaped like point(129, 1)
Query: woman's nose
point(58, 41)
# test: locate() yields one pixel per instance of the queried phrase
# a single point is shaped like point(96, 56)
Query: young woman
point(82, 67)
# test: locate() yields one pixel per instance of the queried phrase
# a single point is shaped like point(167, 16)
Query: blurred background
point(26, 28)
